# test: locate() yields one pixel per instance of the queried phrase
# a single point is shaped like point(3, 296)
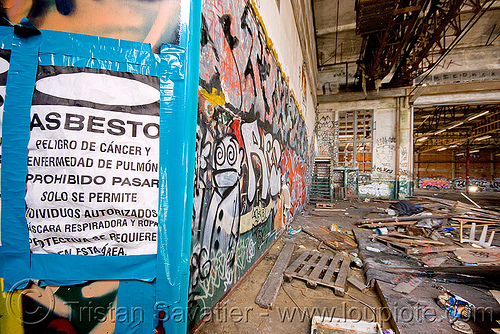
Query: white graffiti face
point(263, 157)
point(228, 158)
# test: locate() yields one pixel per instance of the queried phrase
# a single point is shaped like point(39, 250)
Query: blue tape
point(6, 37)
point(68, 268)
point(86, 46)
point(15, 250)
point(175, 222)
point(135, 302)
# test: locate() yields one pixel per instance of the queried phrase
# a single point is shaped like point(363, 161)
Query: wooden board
point(410, 249)
point(479, 256)
point(377, 225)
point(318, 268)
point(270, 289)
point(335, 240)
point(325, 205)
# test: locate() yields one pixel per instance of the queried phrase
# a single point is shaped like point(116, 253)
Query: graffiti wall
point(153, 22)
point(434, 183)
point(480, 183)
point(252, 152)
point(326, 134)
point(459, 183)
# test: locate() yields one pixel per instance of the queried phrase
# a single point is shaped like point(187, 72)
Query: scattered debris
point(292, 231)
point(479, 256)
point(455, 306)
point(413, 247)
point(462, 327)
point(373, 249)
point(356, 262)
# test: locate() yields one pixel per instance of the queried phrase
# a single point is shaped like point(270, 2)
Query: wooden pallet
point(325, 205)
point(318, 268)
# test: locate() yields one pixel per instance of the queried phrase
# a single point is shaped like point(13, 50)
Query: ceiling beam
point(333, 30)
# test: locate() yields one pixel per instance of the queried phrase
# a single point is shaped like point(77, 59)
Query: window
point(355, 139)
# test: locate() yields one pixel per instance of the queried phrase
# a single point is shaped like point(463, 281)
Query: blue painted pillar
point(178, 119)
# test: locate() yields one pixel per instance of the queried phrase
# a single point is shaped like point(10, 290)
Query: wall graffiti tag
point(325, 131)
point(434, 183)
point(385, 149)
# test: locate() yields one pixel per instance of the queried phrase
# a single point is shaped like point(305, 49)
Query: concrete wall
point(255, 120)
point(392, 170)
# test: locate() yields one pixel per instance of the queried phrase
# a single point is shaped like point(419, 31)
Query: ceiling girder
point(420, 32)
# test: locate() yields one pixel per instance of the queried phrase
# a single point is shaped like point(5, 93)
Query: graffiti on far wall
point(326, 133)
point(375, 189)
point(480, 183)
point(385, 149)
point(434, 183)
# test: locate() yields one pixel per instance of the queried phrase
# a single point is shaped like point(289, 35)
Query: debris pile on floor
point(434, 251)
point(425, 251)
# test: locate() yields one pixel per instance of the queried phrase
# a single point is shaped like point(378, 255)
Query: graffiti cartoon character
point(222, 226)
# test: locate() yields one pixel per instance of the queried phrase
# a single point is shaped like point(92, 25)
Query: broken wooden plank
point(489, 256)
point(470, 200)
point(339, 236)
point(413, 249)
point(358, 284)
point(335, 240)
point(400, 219)
point(325, 209)
point(409, 242)
point(415, 239)
point(270, 289)
point(325, 205)
point(408, 287)
point(430, 249)
point(377, 225)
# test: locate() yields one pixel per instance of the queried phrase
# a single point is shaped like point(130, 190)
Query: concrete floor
point(295, 302)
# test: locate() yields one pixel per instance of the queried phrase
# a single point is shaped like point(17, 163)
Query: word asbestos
point(94, 124)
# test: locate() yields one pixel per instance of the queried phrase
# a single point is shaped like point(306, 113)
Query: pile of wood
point(458, 208)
